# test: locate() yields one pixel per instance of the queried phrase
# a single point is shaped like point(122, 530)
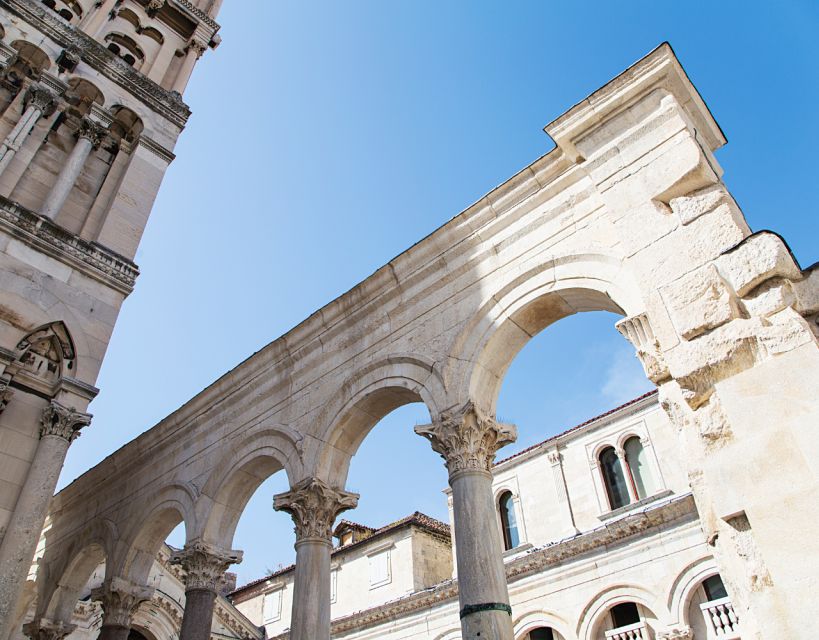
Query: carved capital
point(204, 564)
point(44, 629)
point(92, 131)
point(58, 420)
point(120, 600)
point(314, 506)
point(198, 47)
point(555, 457)
point(154, 6)
point(39, 97)
point(5, 392)
point(637, 330)
point(467, 438)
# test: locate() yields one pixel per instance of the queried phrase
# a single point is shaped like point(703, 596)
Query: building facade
point(601, 541)
point(90, 111)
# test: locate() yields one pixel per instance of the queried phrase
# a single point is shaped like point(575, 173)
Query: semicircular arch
point(250, 459)
point(685, 584)
point(538, 619)
point(365, 398)
point(521, 307)
point(592, 614)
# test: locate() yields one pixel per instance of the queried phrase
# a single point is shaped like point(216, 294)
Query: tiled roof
point(418, 519)
point(578, 426)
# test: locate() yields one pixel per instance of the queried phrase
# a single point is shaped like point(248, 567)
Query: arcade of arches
point(628, 214)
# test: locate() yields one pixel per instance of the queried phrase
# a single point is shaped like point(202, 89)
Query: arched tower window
point(509, 521)
point(637, 462)
point(614, 478)
point(543, 633)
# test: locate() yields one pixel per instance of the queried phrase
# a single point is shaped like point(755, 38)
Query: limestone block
point(770, 297)
point(760, 257)
point(807, 292)
point(692, 206)
point(700, 301)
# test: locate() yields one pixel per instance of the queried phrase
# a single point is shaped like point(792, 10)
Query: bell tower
point(90, 110)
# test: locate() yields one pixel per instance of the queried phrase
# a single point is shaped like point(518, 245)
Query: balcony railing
point(720, 619)
point(638, 631)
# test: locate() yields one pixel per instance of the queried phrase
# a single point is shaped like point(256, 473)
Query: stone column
point(204, 565)
point(120, 601)
point(38, 101)
point(44, 629)
point(193, 52)
point(626, 469)
point(59, 427)
point(468, 439)
point(89, 137)
point(314, 506)
point(562, 491)
point(98, 17)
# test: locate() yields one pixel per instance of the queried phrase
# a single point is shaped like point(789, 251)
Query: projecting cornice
point(53, 240)
point(166, 103)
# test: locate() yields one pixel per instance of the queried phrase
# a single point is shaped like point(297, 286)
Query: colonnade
point(466, 438)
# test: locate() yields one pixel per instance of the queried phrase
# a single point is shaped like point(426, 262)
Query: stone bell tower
point(90, 111)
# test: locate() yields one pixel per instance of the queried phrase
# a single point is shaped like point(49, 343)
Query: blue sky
point(328, 137)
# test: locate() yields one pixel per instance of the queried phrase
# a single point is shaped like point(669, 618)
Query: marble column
point(98, 17)
point(60, 426)
point(38, 101)
point(44, 629)
point(621, 456)
point(204, 566)
point(120, 601)
point(468, 439)
point(314, 506)
point(193, 52)
point(89, 137)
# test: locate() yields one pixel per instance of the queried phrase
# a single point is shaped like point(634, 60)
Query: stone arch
point(369, 395)
point(74, 564)
point(31, 59)
point(126, 125)
point(48, 351)
point(685, 584)
point(252, 458)
point(82, 94)
point(451, 634)
point(537, 619)
point(151, 526)
point(522, 307)
point(592, 615)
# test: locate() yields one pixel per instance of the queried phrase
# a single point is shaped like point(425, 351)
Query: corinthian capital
point(92, 131)
point(43, 629)
point(58, 420)
point(467, 438)
point(39, 97)
point(120, 600)
point(314, 506)
point(204, 564)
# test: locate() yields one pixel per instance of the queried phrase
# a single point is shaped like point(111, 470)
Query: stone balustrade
point(638, 631)
point(721, 620)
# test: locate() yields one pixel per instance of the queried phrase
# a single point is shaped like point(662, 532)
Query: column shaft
point(68, 176)
point(198, 618)
point(192, 54)
point(98, 17)
point(482, 591)
point(311, 590)
point(23, 532)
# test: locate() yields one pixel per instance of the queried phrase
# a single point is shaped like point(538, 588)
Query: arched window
point(509, 521)
point(637, 462)
point(543, 633)
point(614, 479)
point(625, 614)
point(714, 589)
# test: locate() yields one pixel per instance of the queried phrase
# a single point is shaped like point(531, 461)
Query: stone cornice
point(90, 258)
point(187, 7)
point(165, 103)
point(678, 509)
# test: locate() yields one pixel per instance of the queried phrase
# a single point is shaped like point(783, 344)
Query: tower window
point(624, 614)
point(637, 463)
point(714, 588)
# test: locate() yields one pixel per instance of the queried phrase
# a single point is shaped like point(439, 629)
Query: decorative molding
point(45, 235)
point(188, 7)
point(41, 98)
point(168, 104)
point(60, 421)
point(157, 149)
point(91, 131)
point(314, 506)
point(204, 564)
point(467, 438)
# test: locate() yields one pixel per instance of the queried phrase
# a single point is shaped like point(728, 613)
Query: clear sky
point(327, 137)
